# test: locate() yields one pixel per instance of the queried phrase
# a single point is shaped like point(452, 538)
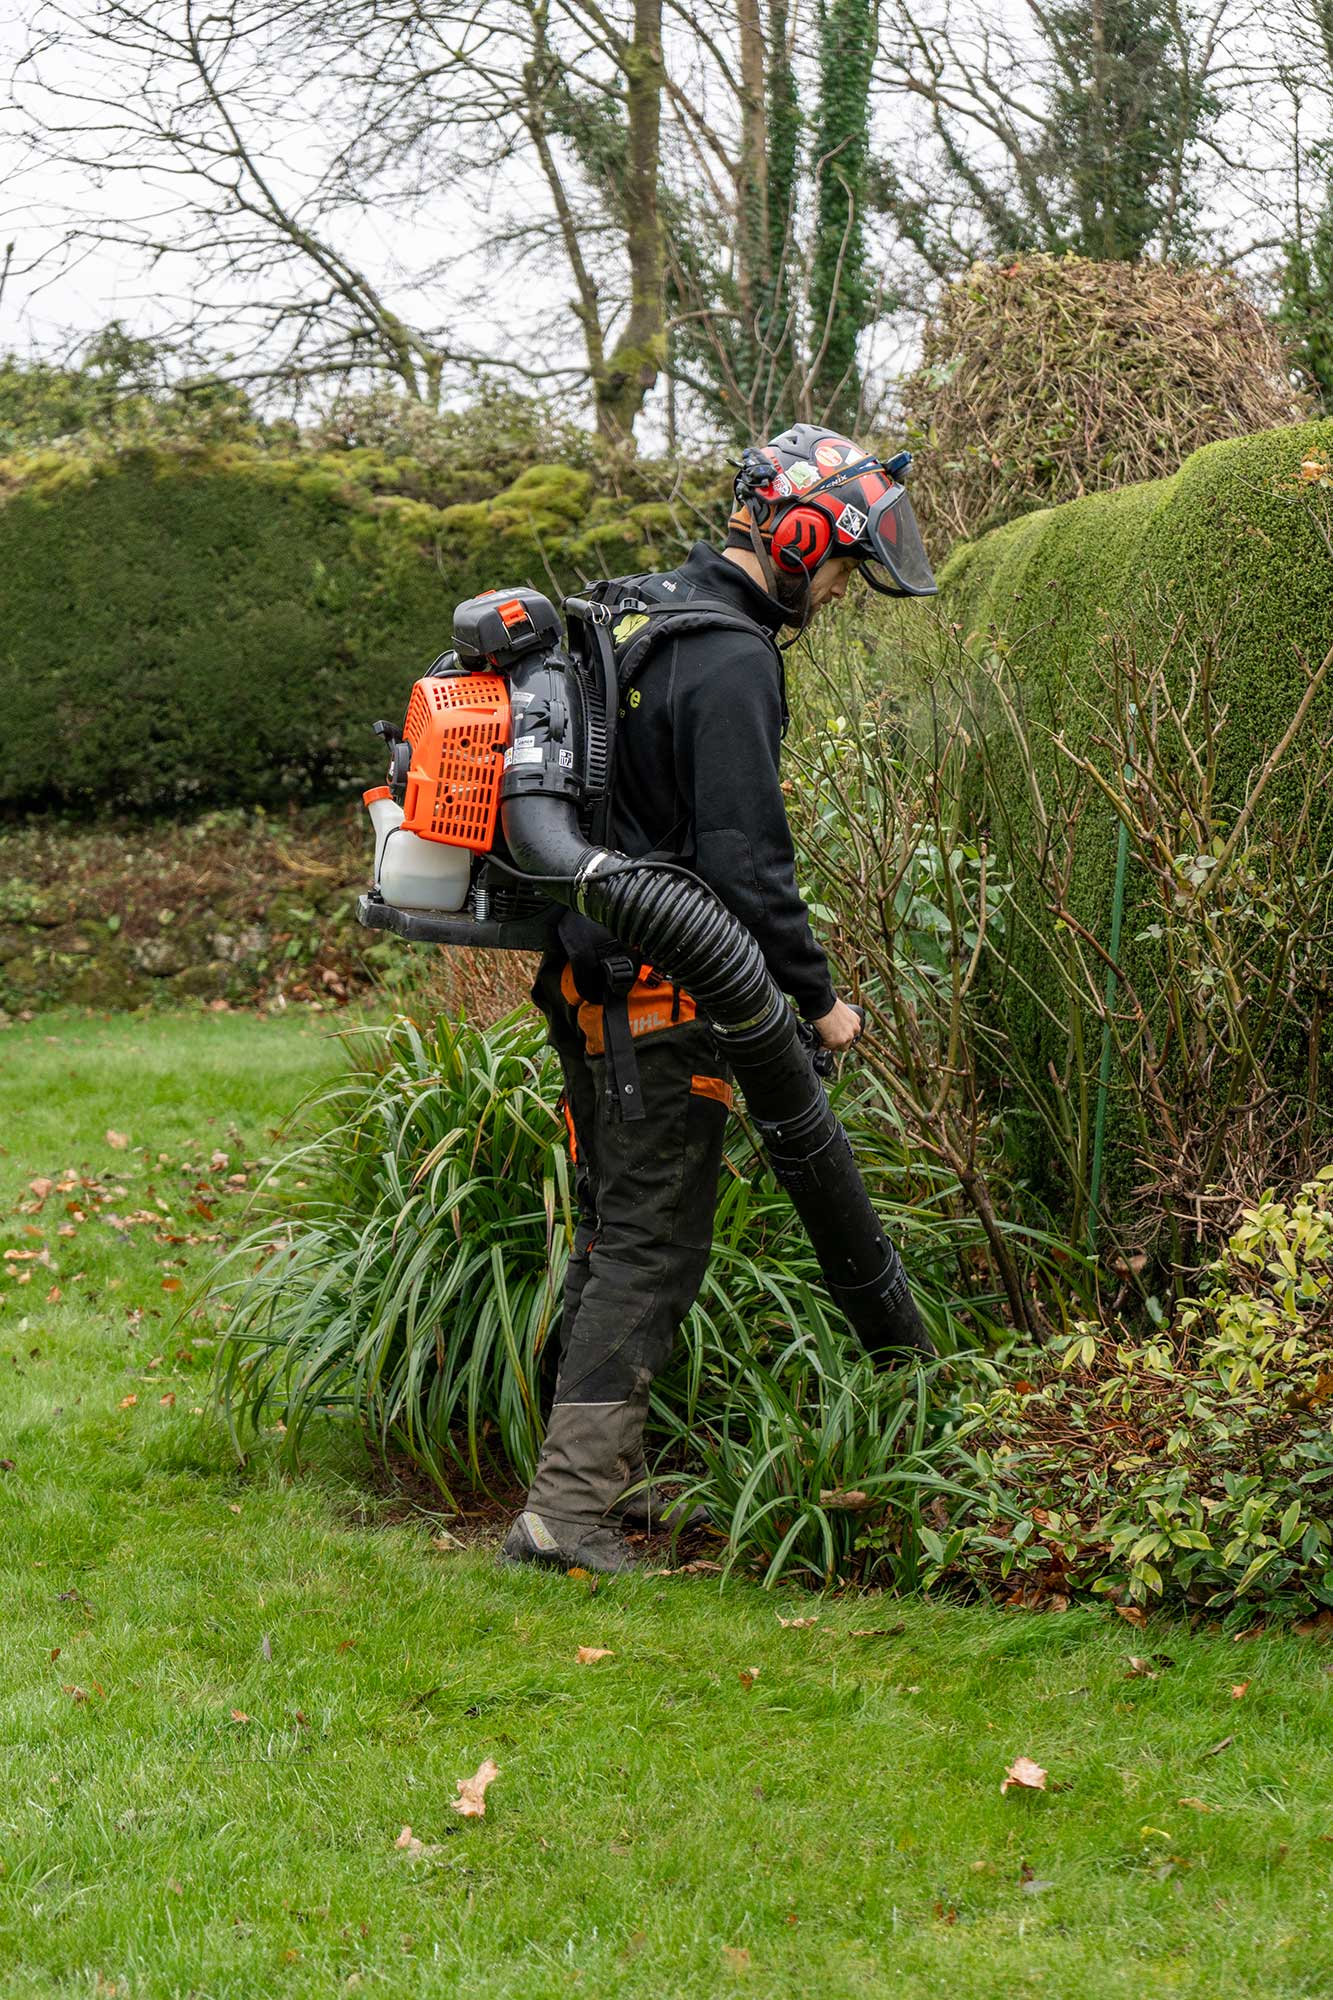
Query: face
point(829, 583)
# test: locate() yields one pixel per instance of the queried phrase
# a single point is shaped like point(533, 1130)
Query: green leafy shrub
point(417, 1287)
point(220, 624)
point(1176, 630)
point(1193, 1469)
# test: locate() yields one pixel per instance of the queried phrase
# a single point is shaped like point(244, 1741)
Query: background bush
point(196, 625)
point(1216, 578)
point(1043, 378)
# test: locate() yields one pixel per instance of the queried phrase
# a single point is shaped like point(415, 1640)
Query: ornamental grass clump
point(1045, 378)
point(415, 1291)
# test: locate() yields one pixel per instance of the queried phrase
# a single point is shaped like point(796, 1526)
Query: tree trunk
point(632, 367)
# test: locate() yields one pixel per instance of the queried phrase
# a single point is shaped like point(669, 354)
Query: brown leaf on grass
point(1240, 1690)
point(75, 1693)
point(41, 1187)
point(588, 1656)
point(747, 1677)
point(737, 1957)
point(8, 1465)
point(1133, 1614)
point(1320, 1627)
point(471, 1800)
point(1196, 1805)
point(1139, 1669)
point(1029, 1777)
point(118, 1140)
point(851, 1502)
point(417, 1850)
point(796, 1624)
point(878, 1632)
point(1250, 1632)
point(169, 1400)
point(55, 1654)
point(239, 1715)
point(1217, 1748)
point(128, 1402)
point(171, 1284)
point(54, 1296)
point(577, 1575)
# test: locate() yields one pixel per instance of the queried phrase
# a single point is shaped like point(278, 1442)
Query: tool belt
point(635, 1000)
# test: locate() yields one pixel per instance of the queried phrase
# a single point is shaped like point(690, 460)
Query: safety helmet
point(812, 494)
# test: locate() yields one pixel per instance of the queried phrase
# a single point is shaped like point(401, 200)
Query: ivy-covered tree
point(841, 290)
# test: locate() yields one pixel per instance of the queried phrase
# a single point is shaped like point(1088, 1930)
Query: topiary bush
point(220, 624)
point(1046, 378)
point(1177, 630)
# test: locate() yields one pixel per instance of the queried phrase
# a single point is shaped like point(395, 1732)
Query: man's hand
point(839, 1028)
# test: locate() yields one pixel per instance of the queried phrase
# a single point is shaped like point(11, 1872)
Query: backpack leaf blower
point(489, 827)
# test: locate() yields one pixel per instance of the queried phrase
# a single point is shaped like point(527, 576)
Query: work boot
point(560, 1545)
point(652, 1510)
point(570, 1519)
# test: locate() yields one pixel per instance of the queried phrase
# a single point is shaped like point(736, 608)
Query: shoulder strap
point(637, 633)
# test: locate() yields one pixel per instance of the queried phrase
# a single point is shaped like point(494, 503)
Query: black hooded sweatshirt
point(697, 774)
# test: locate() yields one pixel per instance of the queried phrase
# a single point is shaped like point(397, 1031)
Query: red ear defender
point(801, 539)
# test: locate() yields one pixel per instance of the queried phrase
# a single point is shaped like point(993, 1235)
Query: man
point(646, 1086)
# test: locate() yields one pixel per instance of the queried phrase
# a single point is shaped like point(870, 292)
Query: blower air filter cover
point(501, 626)
point(458, 729)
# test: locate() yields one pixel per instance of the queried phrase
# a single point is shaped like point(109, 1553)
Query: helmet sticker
point(850, 523)
point(802, 474)
point(830, 454)
point(779, 487)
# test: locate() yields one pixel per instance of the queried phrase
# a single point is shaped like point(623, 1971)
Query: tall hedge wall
point(1232, 541)
point(190, 626)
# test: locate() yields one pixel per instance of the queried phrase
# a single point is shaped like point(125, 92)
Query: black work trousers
point(647, 1193)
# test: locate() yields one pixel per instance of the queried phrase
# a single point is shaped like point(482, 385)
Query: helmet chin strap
point(765, 561)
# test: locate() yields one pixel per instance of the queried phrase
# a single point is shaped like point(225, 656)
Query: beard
point(792, 593)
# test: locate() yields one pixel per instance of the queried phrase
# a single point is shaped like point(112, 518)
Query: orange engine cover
point(458, 726)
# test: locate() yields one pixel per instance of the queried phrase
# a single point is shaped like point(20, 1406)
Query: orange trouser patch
point(712, 1086)
point(652, 1004)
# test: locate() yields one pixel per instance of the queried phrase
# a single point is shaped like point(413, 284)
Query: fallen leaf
point(8, 1465)
point(54, 1296)
point(747, 1677)
point(1024, 1773)
point(737, 1957)
point(128, 1402)
point(407, 1842)
point(175, 1887)
point(796, 1624)
point(1320, 1627)
point(1031, 1883)
point(1225, 1744)
point(41, 1187)
point(588, 1656)
point(946, 1914)
point(119, 1140)
point(232, 1507)
point(1250, 1632)
point(76, 1693)
point(878, 1632)
point(851, 1502)
point(1239, 1691)
point(578, 1575)
point(239, 1715)
point(1140, 1669)
point(171, 1284)
point(1196, 1805)
point(471, 1800)
point(169, 1400)
point(55, 1654)
point(1133, 1614)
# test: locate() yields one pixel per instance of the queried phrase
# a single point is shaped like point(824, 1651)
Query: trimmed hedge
point(220, 625)
point(1232, 542)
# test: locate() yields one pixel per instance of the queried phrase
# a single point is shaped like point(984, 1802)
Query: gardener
point(646, 1086)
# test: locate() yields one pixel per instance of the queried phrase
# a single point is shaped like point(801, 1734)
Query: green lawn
point(272, 1682)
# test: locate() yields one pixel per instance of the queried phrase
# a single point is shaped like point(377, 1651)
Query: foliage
point(468, 452)
point(1306, 312)
point(841, 297)
point(1195, 1467)
point(121, 389)
point(229, 620)
point(1125, 118)
point(1178, 630)
point(417, 1286)
point(1045, 378)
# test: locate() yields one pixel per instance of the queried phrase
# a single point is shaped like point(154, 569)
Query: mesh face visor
point(895, 541)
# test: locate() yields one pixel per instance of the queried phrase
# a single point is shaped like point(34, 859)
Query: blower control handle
point(825, 1060)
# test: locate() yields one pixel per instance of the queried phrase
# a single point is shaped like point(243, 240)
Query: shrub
point(417, 1287)
point(1194, 1469)
point(1046, 378)
point(1179, 631)
point(213, 625)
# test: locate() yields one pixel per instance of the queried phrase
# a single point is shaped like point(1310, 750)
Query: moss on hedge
point(218, 624)
point(1233, 543)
